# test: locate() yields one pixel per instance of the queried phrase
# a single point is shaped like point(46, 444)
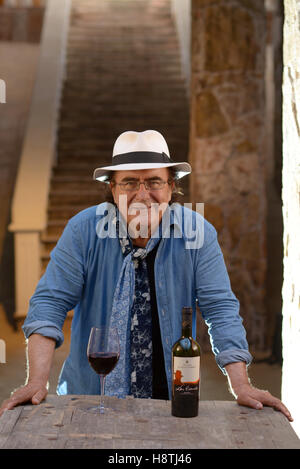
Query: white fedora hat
point(140, 150)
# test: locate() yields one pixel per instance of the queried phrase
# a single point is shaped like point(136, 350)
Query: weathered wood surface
point(63, 422)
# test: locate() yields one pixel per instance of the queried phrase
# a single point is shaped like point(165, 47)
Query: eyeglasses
point(150, 185)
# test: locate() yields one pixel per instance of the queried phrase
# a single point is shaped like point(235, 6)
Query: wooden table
point(63, 422)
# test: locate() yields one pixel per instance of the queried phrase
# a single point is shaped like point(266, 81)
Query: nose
point(142, 192)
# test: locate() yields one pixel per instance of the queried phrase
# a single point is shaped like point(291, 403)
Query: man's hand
point(40, 356)
point(249, 396)
point(34, 392)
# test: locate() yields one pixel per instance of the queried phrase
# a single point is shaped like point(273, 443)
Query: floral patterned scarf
point(132, 316)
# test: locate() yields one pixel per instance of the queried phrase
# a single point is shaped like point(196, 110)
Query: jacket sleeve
point(218, 304)
point(59, 289)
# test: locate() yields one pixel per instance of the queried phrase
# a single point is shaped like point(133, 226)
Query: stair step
point(70, 155)
point(68, 168)
point(44, 265)
point(70, 152)
point(88, 145)
point(68, 158)
point(46, 249)
point(76, 177)
point(103, 102)
point(125, 105)
point(90, 197)
point(140, 96)
point(49, 240)
point(147, 86)
point(106, 115)
point(71, 147)
point(160, 97)
point(123, 71)
point(64, 212)
point(104, 54)
point(86, 131)
point(115, 38)
point(100, 141)
point(45, 254)
point(119, 61)
point(100, 144)
point(54, 228)
point(80, 185)
point(98, 125)
point(125, 98)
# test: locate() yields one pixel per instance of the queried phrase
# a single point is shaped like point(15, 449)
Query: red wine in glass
point(103, 362)
point(103, 353)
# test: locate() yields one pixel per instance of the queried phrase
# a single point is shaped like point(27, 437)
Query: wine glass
point(103, 352)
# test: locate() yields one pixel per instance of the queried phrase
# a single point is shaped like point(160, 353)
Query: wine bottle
point(185, 370)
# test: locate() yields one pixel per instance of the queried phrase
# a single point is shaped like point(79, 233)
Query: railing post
point(27, 268)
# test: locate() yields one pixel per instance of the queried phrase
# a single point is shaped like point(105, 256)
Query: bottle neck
point(187, 323)
point(186, 330)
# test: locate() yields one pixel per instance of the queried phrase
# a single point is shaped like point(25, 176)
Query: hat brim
point(102, 174)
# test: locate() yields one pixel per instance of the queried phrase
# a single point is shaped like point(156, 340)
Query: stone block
point(214, 214)
point(210, 119)
point(239, 96)
point(235, 226)
point(250, 246)
point(244, 172)
point(230, 39)
point(212, 153)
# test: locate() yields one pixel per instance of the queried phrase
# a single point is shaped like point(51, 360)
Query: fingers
point(285, 411)
point(249, 402)
point(34, 393)
point(38, 397)
point(256, 399)
point(9, 404)
point(269, 400)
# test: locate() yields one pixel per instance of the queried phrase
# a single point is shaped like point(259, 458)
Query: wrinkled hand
point(249, 396)
point(33, 391)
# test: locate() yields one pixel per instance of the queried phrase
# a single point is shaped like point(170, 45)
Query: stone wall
point(291, 210)
point(227, 139)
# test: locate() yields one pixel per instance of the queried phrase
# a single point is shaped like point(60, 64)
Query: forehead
point(142, 174)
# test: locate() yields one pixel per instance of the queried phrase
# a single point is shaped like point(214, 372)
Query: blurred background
point(220, 80)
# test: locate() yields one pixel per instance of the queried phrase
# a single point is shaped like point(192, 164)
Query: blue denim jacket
point(83, 273)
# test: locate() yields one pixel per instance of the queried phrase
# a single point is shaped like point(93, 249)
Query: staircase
point(123, 73)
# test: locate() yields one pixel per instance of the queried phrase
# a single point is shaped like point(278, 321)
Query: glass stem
point(102, 383)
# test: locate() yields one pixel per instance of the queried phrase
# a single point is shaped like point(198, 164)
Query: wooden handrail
point(29, 208)
point(30, 199)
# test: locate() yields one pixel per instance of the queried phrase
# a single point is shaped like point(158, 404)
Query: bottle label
point(186, 372)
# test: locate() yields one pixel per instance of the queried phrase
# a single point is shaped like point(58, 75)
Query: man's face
point(140, 206)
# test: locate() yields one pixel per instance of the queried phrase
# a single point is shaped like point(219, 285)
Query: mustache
point(141, 205)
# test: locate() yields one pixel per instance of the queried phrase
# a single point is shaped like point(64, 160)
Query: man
point(134, 264)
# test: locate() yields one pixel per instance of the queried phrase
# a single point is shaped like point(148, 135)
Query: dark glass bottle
point(185, 370)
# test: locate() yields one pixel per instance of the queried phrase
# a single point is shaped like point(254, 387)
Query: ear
point(172, 186)
point(112, 187)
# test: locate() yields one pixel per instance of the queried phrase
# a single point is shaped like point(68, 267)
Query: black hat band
point(143, 157)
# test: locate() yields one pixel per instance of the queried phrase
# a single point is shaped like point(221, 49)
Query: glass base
point(100, 410)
